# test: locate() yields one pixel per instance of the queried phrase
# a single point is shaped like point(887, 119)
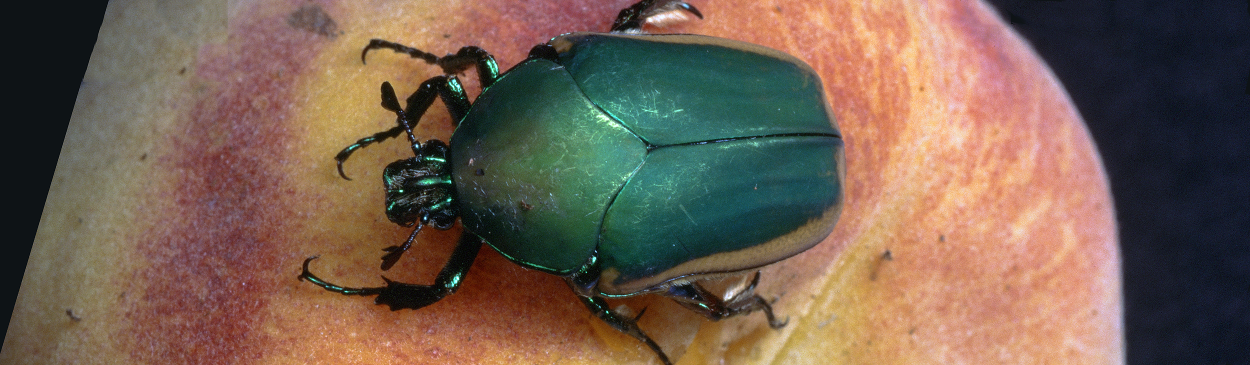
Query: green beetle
point(627, 164)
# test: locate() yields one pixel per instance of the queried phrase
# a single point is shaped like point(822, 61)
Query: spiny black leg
point(630, 19)
point(452, 63)
point(628, 326)
point(487, 69)
point(429, 58)
point(696, 298)
point(398, 295)
point(446, 87)
point(394, 252)
point(747, 296)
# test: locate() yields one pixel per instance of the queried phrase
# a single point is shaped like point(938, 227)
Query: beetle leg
point(694, 297)
point(346, 152)
point(389, 102)
point(446, 87)
point(628, 326)
point(452, 63)
point(631, 19)
point(399, 295)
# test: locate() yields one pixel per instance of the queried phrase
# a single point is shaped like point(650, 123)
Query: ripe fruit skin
point(965, 161)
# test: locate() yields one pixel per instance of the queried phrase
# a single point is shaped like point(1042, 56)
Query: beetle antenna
point(394, 252)
point(391, 102)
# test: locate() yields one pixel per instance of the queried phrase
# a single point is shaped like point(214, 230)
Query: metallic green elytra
point(626, 163)
point(658, 171)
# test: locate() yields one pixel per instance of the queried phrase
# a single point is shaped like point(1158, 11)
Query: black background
point(1164, 86)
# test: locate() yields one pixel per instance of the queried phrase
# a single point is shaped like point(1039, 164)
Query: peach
point(197, 174)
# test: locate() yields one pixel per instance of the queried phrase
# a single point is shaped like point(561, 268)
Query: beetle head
point(421, 188)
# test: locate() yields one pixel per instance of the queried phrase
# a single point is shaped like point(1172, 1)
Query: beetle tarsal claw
point(778, 326)
point(306, 274)
point(640, 313)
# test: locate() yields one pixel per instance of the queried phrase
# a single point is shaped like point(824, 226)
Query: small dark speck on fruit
point(70, 312)
point(876, 267)
point(480, 172)
point(826, 322)
point(311, 18)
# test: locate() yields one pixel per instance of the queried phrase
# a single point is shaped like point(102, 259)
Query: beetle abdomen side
point(535, 165)
point(720, 207)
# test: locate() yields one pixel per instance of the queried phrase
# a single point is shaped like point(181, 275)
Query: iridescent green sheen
point(689, 202)
point(649, 162)
point(672, 89)
point(537, 165)
point(626, 164)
